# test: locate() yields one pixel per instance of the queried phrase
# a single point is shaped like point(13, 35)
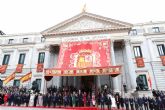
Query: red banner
point(140, 62)
point(3, 68)
point(111, 70)
point(84, 59)
point(84, 54)
point(163, 60)
point(19, 68)
point(9, 78)
point(40, 67)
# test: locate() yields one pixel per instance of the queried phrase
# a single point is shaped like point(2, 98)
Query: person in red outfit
point(84, 99)
point(5, 98)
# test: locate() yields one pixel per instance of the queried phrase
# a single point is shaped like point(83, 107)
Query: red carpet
point(51, 108)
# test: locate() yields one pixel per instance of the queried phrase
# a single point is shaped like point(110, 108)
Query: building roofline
point(148, 23)
point(21, 34)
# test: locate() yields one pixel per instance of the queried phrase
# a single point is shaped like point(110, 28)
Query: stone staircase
point(159, 75)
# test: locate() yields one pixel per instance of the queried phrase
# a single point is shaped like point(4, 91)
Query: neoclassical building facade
point(138, 48)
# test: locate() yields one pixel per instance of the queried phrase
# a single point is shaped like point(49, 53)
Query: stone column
point(115, 79)
point(131, 67)
point(46, 65)
point(98, 82)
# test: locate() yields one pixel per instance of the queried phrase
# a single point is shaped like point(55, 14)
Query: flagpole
point(31, 68)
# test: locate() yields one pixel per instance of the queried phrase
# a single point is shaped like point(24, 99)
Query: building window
point(161, 49)
point(25, 40)
point(133, 32)
point(145, 81)
point(21, 58)
point(137, 51)
point(155, 29)
point(43, 39)
point(6, 60)
point(41, 57)
point(11, 41)
point(39, 83)
point(16, 83)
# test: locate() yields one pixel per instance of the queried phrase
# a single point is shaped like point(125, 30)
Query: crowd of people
point(72, 97)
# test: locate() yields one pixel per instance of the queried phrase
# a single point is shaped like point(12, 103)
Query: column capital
point(127, 42)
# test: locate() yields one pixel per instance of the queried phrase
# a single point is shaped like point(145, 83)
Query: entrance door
point(87, 83)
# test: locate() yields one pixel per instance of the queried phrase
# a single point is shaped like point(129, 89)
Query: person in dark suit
point(27, 98)
point(122, 102)
point(80, 99)
point(151, 103)
point(117, 99)
point(35, 99)
point(131, 102)
point(140, 103)
point(158, 103)
point(102, 101)
point(65, 99)
point(145, 102)
point(10, 99)
point(19, 99)
point(126, 102)
point(109, 102)
point(136, 103)
point(54, 101)
point(44, 97)
point(49, 100)
point(59, 99)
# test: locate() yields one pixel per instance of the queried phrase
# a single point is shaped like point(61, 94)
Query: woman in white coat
point(31, 101)
point(113, 102)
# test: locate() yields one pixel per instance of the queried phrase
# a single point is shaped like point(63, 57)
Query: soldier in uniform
point(126, 101)
point(131, 102)
point(151, 103)
point(136, 103)
point(140, 103)
point(145, 102)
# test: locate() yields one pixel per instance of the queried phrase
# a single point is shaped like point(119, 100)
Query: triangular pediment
point(84, 22)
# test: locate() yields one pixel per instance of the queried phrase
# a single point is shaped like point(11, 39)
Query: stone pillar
point(150, 47)
point(131, 67)
point(74, 81)
point(98, 82)
point(115, 79)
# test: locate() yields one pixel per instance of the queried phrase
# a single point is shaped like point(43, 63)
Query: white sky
point(22, 16)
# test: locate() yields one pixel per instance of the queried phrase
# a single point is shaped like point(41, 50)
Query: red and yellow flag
point(9, 78)
point(26, 77)
point(149, 80)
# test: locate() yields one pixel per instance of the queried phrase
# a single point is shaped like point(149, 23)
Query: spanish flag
point(149, 80)
point(26, 77)
point(9, 78)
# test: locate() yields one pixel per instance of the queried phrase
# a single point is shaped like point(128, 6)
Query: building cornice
point(89, 31)
point(19, 34)
point(156, 33)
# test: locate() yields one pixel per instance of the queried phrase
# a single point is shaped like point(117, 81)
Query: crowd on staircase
point(72, 97)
